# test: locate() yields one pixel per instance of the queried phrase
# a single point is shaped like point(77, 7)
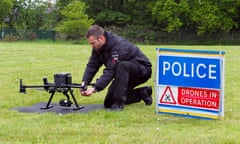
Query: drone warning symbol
point(167, 96)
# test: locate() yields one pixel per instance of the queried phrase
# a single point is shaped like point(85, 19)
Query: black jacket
point(116, 49)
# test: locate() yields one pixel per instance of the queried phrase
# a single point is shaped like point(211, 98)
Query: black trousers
point(128, 75)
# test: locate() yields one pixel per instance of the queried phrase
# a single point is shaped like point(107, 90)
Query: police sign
point(190, 83)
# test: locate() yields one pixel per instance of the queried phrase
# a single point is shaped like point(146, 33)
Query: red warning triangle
point(167, 96)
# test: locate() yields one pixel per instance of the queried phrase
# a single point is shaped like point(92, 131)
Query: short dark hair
point(95, 30)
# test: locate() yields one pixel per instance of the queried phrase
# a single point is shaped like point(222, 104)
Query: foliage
point(5, 9)
point(210, 18)
point(204, 16)
point(75, 22)
point(54, 15)
point(109, 12)
point(26, 15)
point(119, 12)
point(171, 14)
point(135, 33)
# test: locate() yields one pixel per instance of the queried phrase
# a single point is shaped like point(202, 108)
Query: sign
point(190, 83)
point(185, 71)
point(202, 98)
point(167, 96)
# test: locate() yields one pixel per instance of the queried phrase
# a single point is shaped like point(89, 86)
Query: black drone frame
point(62, 83)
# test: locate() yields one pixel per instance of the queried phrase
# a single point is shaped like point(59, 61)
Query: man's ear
point(102, 38)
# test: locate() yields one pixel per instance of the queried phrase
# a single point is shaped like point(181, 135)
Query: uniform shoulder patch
point(115, 58)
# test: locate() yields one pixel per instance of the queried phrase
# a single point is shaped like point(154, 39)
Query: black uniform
point(125, 66)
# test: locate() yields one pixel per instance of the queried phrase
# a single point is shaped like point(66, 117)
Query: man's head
point(95, 37)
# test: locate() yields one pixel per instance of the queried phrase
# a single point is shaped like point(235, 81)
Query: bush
point(10, 38)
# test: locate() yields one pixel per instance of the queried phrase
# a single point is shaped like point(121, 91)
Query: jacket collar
point(110, 41)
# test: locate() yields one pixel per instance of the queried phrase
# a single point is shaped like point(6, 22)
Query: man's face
point(96, 43)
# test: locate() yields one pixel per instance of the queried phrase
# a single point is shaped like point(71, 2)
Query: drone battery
point(62, 79)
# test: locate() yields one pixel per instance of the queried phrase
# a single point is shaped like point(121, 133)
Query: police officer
point(125, 68)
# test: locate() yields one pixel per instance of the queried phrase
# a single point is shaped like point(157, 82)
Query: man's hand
point(87, 92)
point(83, 89)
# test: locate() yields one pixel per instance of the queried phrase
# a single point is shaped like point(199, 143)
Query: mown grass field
point(135, 124)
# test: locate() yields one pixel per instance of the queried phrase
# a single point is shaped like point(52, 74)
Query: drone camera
point(65, 103)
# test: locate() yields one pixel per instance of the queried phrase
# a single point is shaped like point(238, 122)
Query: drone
point(63, 84)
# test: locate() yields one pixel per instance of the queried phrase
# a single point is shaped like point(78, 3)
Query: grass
point(136, 124)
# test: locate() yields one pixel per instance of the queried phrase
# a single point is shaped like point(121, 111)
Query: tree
point(211, 16)
point(171, 14)
point(5, 9)
point(204, 16)
point(119, 12)
point(75, 22)
point(57, 9)
point(108, 12)
point(26, 16)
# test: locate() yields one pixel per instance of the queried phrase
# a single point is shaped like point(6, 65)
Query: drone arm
point(45, 86)
point(75, 85)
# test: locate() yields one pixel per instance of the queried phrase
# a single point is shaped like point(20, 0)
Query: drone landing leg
point(49, 101)
point(75, 101)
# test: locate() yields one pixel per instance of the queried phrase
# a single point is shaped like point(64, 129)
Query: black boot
point(147, 95)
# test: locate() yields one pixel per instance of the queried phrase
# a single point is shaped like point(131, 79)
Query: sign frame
point(190, 83)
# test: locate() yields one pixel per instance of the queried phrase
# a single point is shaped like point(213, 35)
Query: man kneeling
point(125, 67)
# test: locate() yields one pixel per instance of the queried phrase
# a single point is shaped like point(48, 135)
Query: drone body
point(62, 83)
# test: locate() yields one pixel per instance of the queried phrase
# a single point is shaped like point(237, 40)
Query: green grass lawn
point(137, 123)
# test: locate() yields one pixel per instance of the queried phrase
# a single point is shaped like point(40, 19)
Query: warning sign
point(167, 96)
point(204, 98)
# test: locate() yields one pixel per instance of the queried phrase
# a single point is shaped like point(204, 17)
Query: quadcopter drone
point(63, 84)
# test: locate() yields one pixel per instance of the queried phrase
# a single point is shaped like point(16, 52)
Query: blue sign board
point(190, 83)
point(189, 71)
